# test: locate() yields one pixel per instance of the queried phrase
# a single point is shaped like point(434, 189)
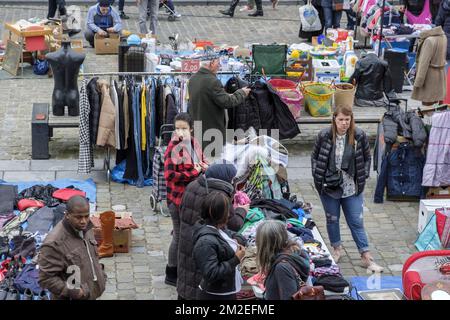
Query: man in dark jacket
point(68, 260)
point(208, 101)
point(218, 177)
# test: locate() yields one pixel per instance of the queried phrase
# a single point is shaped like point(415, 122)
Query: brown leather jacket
point(63, 248)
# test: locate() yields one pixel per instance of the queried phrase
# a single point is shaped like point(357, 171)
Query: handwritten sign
point(190, 65)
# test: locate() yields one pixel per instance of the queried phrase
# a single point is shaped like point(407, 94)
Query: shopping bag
point(309, 18)
point(429, 238)
point(443, 226)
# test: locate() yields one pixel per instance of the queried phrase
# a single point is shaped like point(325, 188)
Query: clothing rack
point(107, 160)
point(85, 75)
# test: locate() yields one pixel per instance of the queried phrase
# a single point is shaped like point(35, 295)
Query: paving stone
point(395, 267)
point(12, 176)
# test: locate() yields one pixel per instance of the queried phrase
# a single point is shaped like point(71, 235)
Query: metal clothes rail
point(107, 160)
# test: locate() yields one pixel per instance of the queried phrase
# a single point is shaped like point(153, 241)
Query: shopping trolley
point(159, 189)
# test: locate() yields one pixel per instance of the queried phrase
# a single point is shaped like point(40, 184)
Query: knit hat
point(104, 3)
point(222, 171)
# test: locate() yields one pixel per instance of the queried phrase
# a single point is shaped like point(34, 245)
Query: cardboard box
point(76, 44)
point(109, 45)
point(426, 210)
point(122, 241)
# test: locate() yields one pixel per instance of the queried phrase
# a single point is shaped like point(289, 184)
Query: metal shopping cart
point(159, 190)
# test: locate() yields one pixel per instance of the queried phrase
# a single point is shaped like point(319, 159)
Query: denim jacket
point(401, 172)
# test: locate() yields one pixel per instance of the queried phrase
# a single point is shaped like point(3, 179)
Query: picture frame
point(383, 294)
point(12, 56)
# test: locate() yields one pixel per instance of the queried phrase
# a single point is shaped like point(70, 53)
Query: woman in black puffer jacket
point(216, 254)
point(218, 178)
point(340, 165)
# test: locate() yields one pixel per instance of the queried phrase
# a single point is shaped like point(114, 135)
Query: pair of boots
point(107, 220)
point(234, 3)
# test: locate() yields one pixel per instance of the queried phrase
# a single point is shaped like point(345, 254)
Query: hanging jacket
point(215, 259)
point(172, 110)
point(94, 95)
point(436, 172)
point(406, 124)
point(106, 127)
point(245, 115)
point(430, 81)
point(188, 275)
point(372, 78)
point(86, 153)
point(273, 112)
point(64, 247)
point(401, 173)
point(443, 20)
point(322, 153)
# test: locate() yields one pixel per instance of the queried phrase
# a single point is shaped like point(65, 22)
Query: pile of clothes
point(297, 217)
point(25, 220)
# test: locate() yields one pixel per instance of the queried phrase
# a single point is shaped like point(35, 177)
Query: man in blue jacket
point(102, 19)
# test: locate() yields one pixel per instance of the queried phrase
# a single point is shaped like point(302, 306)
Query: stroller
point(159, 191)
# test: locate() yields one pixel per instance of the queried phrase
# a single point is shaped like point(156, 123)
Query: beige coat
point(106, 126)
point(430, 85)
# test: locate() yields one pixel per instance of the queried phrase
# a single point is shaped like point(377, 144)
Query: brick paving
point(392, 226)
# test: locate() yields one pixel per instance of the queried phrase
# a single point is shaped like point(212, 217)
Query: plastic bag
point(429, 238)
point(244, 155)
point(40, 67)
point(118, 172)
point(309, 18)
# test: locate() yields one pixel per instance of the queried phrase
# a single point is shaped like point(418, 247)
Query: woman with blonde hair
point(340, 165)
point(285, 265)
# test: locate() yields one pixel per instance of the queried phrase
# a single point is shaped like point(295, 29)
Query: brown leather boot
point(107, 220)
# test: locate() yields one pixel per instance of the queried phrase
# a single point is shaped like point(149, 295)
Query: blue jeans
point(332, 18)
point(353, 212)
point(351, 19)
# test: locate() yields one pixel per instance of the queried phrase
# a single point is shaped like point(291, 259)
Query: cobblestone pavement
point(392, 226)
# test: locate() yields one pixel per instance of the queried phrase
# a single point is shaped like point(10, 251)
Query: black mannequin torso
point(65, 65)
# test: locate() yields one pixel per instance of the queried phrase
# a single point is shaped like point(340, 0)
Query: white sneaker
point(370, 265)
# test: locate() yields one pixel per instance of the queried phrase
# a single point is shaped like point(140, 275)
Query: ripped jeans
point(353, 212)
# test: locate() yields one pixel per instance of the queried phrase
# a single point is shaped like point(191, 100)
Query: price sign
point(190, 65)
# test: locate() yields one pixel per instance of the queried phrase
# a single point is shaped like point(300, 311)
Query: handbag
point(307, 292)
point(333, 180)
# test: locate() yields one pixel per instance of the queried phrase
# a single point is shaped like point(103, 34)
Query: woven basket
point(318, 99)
point(344, 95)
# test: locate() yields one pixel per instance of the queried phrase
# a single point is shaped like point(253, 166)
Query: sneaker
point(176, 15)
point(336, 254)
point(368, 263)
point(246, 8)
point(124, 16)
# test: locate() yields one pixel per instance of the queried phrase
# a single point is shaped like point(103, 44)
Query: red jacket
point(179, 168)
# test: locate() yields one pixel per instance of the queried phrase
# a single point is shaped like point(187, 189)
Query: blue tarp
point(87, 186)
point(376, 282)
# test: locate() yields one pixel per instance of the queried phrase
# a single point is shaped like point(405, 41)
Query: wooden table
point(23, 34)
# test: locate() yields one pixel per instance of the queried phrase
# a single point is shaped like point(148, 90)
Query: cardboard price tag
point(190, 65)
